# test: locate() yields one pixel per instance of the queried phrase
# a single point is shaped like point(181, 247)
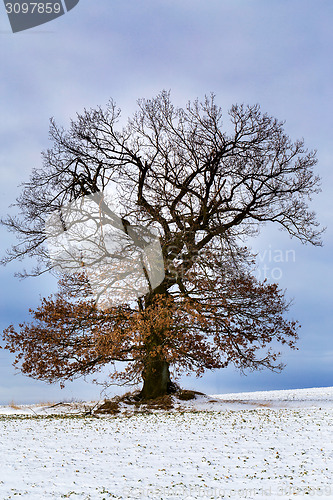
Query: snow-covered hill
point(249, 445)
point(295, 398)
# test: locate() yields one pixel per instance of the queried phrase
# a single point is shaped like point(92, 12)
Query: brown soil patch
point(108, 407)
point(113, 406)
point(161, 403)
point(185, 395)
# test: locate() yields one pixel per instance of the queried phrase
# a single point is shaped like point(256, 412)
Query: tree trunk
point(156, 380)
point(156, 374)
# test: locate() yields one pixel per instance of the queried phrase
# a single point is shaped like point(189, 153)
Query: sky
point(276, 53)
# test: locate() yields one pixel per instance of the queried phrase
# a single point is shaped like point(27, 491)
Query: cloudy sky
point(277, 53)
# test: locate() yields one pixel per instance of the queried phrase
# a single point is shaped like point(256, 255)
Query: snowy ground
point(275, 444)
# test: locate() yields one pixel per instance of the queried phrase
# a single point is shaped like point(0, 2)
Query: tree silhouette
point(199, 191)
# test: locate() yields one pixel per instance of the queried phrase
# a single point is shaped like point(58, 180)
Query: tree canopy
point(201, 191)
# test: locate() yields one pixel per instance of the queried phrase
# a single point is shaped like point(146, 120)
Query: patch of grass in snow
point(13, 405)
point(4, 418)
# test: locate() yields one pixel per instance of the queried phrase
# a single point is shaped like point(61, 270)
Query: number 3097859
point(33, 7)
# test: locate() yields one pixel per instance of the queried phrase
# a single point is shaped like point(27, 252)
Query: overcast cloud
point(276, 53)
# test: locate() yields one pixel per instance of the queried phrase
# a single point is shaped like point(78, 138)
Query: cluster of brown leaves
point(221, 317)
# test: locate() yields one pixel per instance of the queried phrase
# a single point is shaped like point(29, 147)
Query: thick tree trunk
point(156, 380)
point(156, 374)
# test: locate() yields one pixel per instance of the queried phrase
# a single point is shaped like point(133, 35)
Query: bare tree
point(176, 172)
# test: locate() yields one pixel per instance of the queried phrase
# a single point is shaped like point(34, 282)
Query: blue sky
point(276, 53)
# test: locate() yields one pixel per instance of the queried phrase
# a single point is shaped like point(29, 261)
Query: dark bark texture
point(156, 380)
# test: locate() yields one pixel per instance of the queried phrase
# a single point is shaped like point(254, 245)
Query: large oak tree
point(202, 189)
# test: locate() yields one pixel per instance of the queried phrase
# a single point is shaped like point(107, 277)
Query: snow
point(314, 394)
point(274, 444)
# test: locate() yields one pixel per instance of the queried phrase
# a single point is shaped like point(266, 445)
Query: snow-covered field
point(275, 444)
